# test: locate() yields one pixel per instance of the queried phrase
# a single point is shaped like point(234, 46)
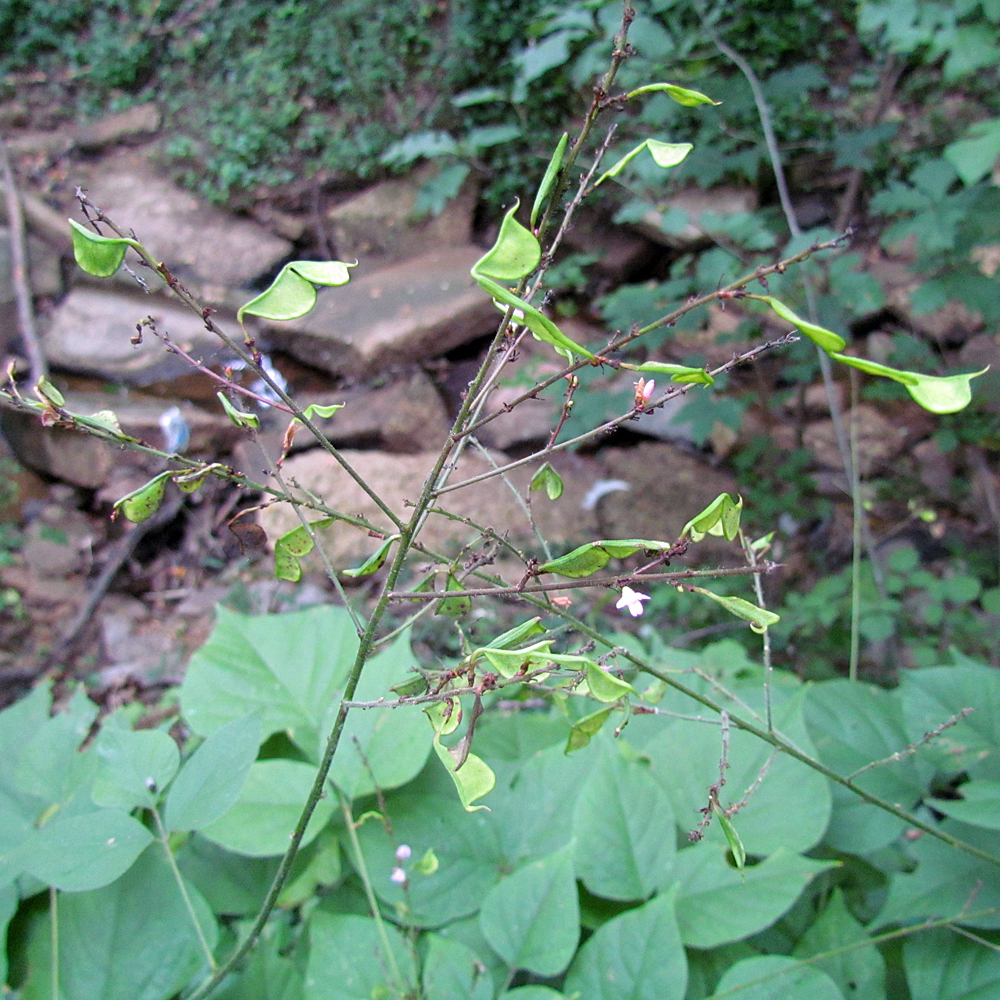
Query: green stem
point(163, 838)
point(398, 983)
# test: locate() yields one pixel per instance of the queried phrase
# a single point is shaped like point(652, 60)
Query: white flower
point(403, 852)
point(398, 876)
point(632, 600)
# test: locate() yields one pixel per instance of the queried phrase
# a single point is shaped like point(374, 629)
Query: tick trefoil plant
point(507, 769)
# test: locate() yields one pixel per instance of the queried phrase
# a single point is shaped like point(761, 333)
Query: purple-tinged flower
point(403, 852)
point(398, 876)
point(632, 600)
point(644, 392)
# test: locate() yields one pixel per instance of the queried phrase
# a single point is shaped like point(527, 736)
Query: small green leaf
point(49, 392)
point(937, 393)
point(508, 662)
point(291, 546)
point(315, 410)
point(292, 294)
point(473, 780)
point(429, 863)
point(98, 255)
point(454, 607)
point(582, 730)
point(589, 558)
point(732, 838)
point(721, 517)
point(666, 154)
point(689, 98)
point(239, 417)
point(513, 636)
point(606, 687)
point(145, 501)
point(515, 254)
point(548, 477)
point(826, 339)
point(678, 373)
point(286, 566)
point(759, 618)
point(551, 173)
point(373, 562)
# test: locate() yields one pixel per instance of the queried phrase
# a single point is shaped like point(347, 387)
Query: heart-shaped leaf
point(98, 255)
point(515, 254)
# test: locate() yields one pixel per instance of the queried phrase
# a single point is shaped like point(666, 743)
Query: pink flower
point(398, 876)
point(403, 852)
point(644, 392)
point(632, 600)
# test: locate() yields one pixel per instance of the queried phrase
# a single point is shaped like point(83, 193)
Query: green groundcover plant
point(552, 811)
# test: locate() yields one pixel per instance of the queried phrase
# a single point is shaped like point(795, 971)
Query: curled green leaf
point(515, 254)
point(666, 154)
point(292, 293)
point(513, 636)
point(606, 687)
point(824, 338)
point(548, 478)
point(937, 393)
point(551, 173)
point(374, 562)
point(759, 618)
point(589, 558)
point(721, 517)
point(98, 255)
point(145, 501)
point(732, 838)
point(429, 863)
point(48, 393)
point(291, 546)
point(473, 780)
point(239, 417)
point(678, 373)
point(583, 730)
point(682, 95)
point(315, 410)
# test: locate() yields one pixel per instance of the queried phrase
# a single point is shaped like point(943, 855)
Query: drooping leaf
point(604, 686)
point(513, 256)
point(98, 255)
point(211, 779)
point(721, 518)
point(826, 339)
point(589, 558)
point(513, 636)
point(936, 393)
point(736, 847)
point(583, 730)
point(682, 374)
point(145, 501)
point(548, 478)
point(240, 418)
point(374, 562)
point(666, 154)
point(473, 780)
point(635, 956)
point(261, 820)
point(551, 173)
point(682, 95)
point(532, 918)
point(292, 294)
point(759, 618)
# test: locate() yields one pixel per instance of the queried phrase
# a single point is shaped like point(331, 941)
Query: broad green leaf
point(636, 956)
point(851, 725)
point(721, 518)
point(860, 971)
point(241, 418)
point(716, 905)
point(314, 868)
point(678, 373)
point(452, 971)
point(76, 853)
point(516, 737)
point(541, 327)
point(688, 98)
point(290, 666)
point(466, 845)
point(8, 907)
point(946, 882)
point(685, 761)
point(666, 154)
point(515, 254)
point(232, 884)
point(272, 972)
point(759, 618)
point(211, 779)
point(532, 918)
point(347, 960)
point(132, 939)
point(604, 686)
point(261, 821)
point(473, 779)
point(98, 255)
point(974, 156)
point(775, 977)
point(583, 730)
point(623, 826)
point(979, 804)
point(937, 393)
point(551, 173)
point(292, 294)
point(374, 562)
point(453, 607)
point(589, 558)
point(824, 338)
point(942, 965)
point(135, 766)
point(533, 993)
point(145, 501)
point(548, 478)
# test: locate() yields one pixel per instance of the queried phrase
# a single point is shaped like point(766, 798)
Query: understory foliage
point(549, 810)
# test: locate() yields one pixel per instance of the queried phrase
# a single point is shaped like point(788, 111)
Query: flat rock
point(59, 542)
point(44, 268)
point(677, 221)
point(530, 422)
point(878, 440)
point(380, 221)
point(193, 237)
point(91, 332)
point(409, 312)
point(400, 477)
point(976, 354)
